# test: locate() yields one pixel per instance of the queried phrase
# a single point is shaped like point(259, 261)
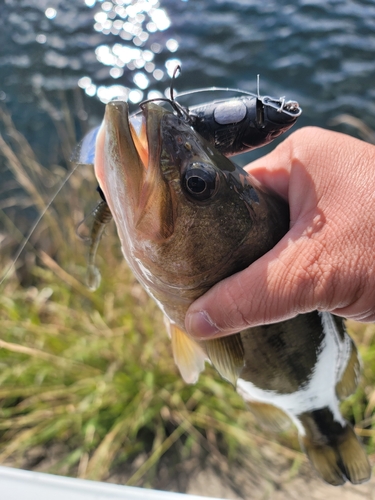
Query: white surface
point(18, 484)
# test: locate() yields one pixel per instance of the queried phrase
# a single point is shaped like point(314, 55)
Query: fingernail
point(200, 325)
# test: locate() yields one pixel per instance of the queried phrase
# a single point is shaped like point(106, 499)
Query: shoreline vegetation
point(88, 386)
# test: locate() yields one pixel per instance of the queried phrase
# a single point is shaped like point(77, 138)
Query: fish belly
point(317, 392)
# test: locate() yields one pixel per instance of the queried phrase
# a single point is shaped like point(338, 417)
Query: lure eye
point(200, 181)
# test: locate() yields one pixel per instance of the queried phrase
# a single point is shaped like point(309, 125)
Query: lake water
point(318, 52)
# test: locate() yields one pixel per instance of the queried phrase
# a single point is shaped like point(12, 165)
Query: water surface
point(319, 52)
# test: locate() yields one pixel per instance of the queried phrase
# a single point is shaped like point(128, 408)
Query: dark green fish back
point(281, 357)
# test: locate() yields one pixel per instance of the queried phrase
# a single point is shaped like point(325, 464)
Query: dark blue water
point(319, 52)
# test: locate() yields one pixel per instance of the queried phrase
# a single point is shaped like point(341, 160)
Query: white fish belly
point(319, 390)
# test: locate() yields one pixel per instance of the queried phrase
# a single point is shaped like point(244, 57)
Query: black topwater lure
point(239, 124)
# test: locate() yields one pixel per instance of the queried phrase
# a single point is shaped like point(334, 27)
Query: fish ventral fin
point(269, 416)
point(350, 378)
point(227, 356)
point(346, 459)
point(187, 354)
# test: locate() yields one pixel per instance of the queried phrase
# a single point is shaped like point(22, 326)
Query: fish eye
point(200, 181)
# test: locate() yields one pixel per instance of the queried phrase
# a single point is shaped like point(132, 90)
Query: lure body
point(241, 124)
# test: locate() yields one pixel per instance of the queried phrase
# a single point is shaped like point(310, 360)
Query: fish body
point(187, 217)
point(160, 223)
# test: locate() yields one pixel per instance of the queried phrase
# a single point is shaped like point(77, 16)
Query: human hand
point(326, 260)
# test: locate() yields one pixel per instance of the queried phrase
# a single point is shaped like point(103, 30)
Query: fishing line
point(34, 226)
point(214, 89)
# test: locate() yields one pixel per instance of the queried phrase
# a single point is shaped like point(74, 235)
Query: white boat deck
point(16, 484)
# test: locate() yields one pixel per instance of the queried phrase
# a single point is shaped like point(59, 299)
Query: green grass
point(88, 386)
point(98, 376)
point(95, 372)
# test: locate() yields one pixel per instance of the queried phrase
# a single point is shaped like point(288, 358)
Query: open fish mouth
point(127, 166)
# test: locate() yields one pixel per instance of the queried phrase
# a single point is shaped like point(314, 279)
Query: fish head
point(186, 215)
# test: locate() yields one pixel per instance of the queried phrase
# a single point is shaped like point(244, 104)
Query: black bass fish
point(188, 217)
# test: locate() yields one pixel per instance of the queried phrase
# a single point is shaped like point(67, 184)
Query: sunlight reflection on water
point(136, 24)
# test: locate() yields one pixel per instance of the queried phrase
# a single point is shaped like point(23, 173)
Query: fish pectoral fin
point(187, 354)
point(227, 356)
point(346, 459)
point(269, 416)
point(350, 378)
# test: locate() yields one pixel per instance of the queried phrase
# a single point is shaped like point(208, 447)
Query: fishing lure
point(239, 124)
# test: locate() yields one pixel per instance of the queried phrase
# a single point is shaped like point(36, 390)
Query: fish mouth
point(127, 167)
